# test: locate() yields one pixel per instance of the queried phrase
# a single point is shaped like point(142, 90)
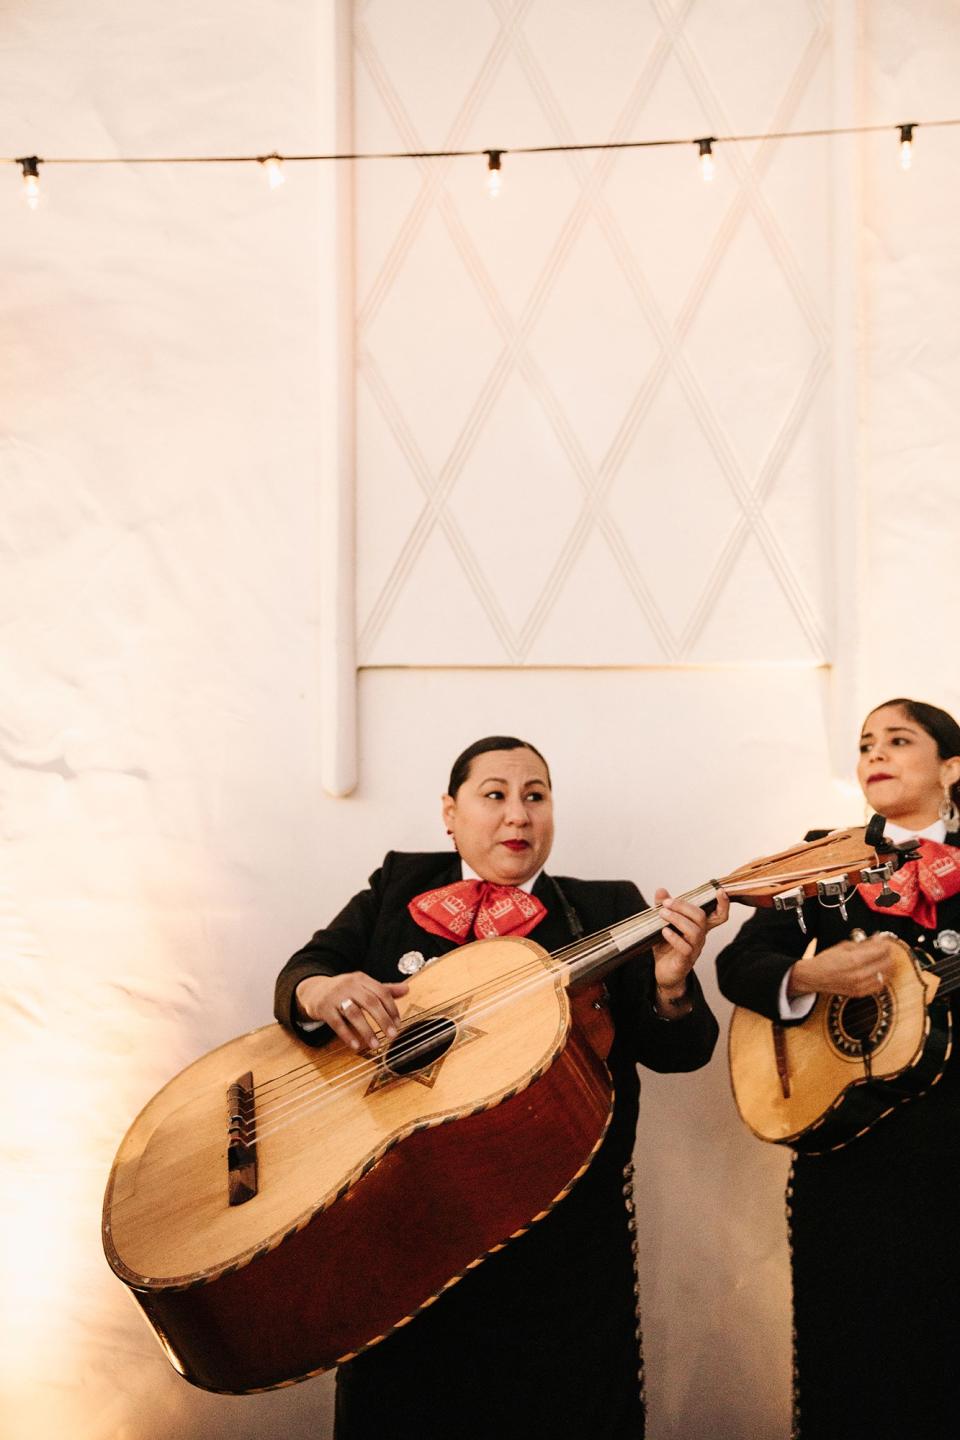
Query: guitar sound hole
point(420, 1045)
point(855, 1021)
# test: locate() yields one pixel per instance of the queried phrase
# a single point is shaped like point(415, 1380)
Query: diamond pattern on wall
point(671, 502)
point(517, 530)
point(750, 297)
point(600, 381)
point(594, 381)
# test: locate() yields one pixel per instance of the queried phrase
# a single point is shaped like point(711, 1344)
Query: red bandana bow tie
point(921, 884)
point(477, 905)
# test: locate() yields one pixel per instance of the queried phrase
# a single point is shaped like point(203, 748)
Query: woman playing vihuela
point(873, 1222)
point(542, 1337)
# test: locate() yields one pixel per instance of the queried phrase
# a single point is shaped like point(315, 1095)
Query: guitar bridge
point(242, 1181)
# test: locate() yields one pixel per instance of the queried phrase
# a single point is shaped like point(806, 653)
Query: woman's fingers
point(852, 967)
point(683, 935)
point(357, 1008)
point(721, 912)
point(370, 1010)
point(686, 925)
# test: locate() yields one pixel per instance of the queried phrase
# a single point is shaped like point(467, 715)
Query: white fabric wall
point(658, 435)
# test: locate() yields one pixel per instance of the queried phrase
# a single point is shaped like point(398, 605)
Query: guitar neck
point(596, 955)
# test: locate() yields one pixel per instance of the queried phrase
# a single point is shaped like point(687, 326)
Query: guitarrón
point(239, 1189)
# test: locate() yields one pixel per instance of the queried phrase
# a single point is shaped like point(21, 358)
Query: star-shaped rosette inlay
point(425, 1040)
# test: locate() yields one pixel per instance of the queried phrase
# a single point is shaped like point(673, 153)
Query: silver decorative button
point(948, 942)
point(411, 962)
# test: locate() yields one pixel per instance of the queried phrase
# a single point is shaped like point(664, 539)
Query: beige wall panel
point(607, 336)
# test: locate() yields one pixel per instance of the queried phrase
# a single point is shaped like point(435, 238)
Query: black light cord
point(28, 163)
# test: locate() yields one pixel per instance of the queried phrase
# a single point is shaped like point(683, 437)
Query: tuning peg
point(832, 894)
point(879, 875)
point(792, 900)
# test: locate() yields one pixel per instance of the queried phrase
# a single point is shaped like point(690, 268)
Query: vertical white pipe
point(336, 405)
point(848, 538)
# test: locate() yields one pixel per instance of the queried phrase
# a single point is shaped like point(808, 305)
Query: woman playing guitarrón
point(541, 1338)
point(873, 1224)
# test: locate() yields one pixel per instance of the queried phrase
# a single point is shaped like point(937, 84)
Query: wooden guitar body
point(811, 1085)
point(366, 1201)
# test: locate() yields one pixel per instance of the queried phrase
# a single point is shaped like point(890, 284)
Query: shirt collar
point(937, 831)
point(470, 874)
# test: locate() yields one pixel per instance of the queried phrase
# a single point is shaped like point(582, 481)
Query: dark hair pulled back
point(461, 766)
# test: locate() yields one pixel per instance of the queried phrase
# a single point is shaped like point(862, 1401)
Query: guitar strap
point(569, 913)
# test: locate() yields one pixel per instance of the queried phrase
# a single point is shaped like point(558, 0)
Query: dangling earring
point(948, 812)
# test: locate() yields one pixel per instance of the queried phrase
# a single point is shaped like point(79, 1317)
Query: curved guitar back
point(352, 1155)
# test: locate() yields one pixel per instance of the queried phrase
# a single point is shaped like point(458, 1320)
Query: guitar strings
point(859, 1007)
point(307, 1089)
point(580, 952)
point(635, 929)
point(522, 979)
point(531, 966)
point(949, 972)
point(302, 1102)
point(293, 1092)
point(422, 1039)
point(426, 1038)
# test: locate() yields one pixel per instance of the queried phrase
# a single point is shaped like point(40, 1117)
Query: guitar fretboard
point(596, 955)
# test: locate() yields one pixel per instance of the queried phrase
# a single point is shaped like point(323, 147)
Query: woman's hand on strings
point(854, 967)
point(355, 1006)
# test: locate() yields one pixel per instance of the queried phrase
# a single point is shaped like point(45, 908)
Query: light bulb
point(494, 173)
point(273, 166)
point(906, 146)
point(707, 167)
point(30, 167)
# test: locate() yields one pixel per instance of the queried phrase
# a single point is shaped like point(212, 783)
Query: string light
point(494, 173)
point(273, 164)
point(30, 166)
point(273, 168)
